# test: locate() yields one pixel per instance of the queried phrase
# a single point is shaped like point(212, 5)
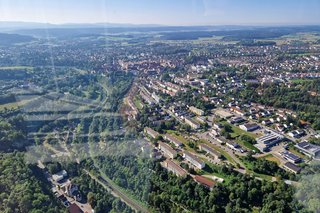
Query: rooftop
point(204, 181)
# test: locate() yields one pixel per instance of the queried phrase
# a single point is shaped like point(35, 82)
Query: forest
point(23, 188)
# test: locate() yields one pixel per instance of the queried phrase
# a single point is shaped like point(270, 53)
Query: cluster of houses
point(166, 87)
point(65, 190)
point(170, 152)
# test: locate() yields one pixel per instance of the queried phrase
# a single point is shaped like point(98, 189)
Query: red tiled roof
point(204, 181)
point(74, 208)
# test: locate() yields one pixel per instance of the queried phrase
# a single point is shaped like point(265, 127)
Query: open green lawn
point(247, 145)
point(294, 151)
point(263, 176)
point(270, 157)
point(211, 169)
point(138, 103)
point(13, 105)
point(16, 68)
point(301, 80)
point(237, 132)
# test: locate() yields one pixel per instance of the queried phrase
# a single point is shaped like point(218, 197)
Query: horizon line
point(163, 25)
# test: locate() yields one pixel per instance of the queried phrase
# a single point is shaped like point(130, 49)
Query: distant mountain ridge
point(11, 25)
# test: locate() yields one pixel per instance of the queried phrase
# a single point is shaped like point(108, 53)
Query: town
point(162, 119)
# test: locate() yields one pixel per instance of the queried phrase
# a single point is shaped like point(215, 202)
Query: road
point(117, 193)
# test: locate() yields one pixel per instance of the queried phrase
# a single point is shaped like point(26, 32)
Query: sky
point(165, 12)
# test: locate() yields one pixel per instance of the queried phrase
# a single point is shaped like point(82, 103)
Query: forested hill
point(10, 39)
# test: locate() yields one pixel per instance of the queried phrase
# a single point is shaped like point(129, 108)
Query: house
point(167, 149)
point(267, 122)
point(74, 208)
point(217, 126)
point(238, 111)
point(192, 123)
point(236, 120)
point(280, 127)
point(59, 176)
point(204, 181)
point(173, 167)
point(292, 168)
point(173, 140)
point(214, 133)
point(219, 140)
point(233, 146)
point(194, 160)
point(201, 119)
point(309, 149)
point(249, 127)
point(69, 189)
point(296, 133)
point(209, 150)
point(196, 110)
point(223, 113)
point(153, 134)
point(156, 97)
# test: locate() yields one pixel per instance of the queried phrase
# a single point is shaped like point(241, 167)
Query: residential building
point(204, 181)
point(156, 97)
point(74, 208)
point(209, 150)
point(236, 120)
point(194, 160)
point(173, 167)
point(223, 113)
point(292, 168)
point(296, 133)
point(153, 134)
point(238, 111)
point(196, 110)
point(249, 127)
point(59, 176)
point(167, 149)
point(267, 122)
point(233, 146)
point(192, 123)
point(173, 140)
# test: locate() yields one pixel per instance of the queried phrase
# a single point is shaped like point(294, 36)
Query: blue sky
point(167, 12)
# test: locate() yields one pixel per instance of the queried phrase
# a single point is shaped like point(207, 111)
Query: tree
point(91, 199)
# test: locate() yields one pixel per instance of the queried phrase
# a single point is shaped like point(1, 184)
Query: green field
point(247, 145)
point(13, 105)
point(294, 151)
point(301, 80)
point(138, 103)
point(16, 68)
point(270, 157)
